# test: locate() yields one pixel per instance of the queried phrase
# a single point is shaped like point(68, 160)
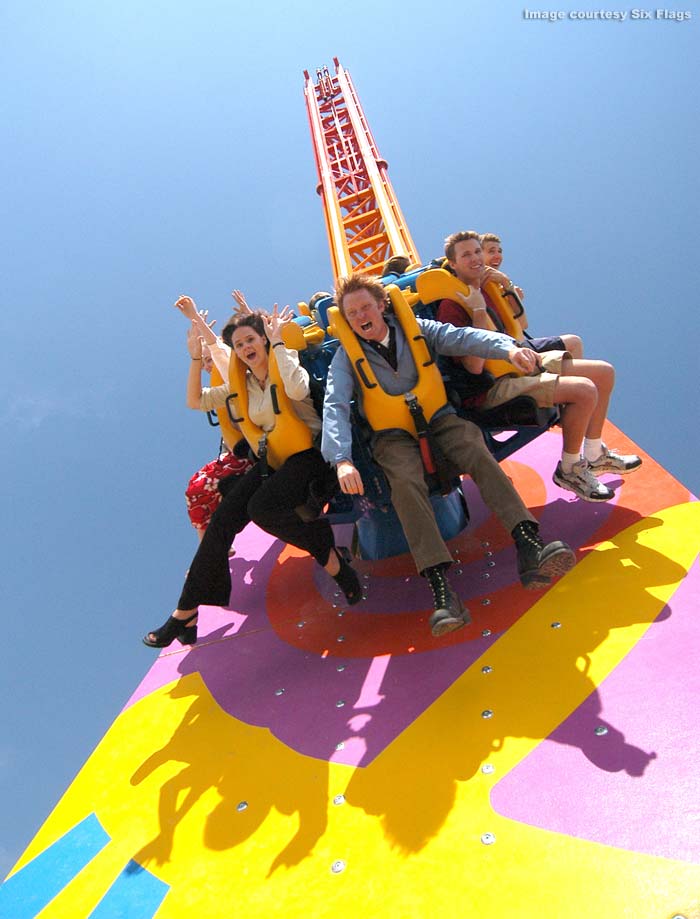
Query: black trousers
point(270, 504)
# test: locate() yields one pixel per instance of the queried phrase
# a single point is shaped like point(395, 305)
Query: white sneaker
point(582, 482)
point(610, 461)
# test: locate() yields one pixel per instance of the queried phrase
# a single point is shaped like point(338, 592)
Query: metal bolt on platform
point(601, 730)
point(340, 746)
point(279, 692)
point(339, 799)
point(485, 575)
point(487, 668)
point(340, 638)
point(338, 866)
point(340, 668)
point(488, 768)
point(487, 713)
point(488, 839)
point(485, 633)
point(485, 545)
point(300, 625)
point(241, 806)
point(340, 703)
point(556, 625)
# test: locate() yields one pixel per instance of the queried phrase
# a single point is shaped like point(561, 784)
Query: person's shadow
point(252, 771)
point(412, 785)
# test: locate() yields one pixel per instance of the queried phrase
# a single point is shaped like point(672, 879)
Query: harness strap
point(262, 457)
point(435, 463)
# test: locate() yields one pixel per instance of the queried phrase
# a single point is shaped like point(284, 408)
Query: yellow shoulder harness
point(229, 434)
point(381, 409)
point(289, 436)
point(438, 284)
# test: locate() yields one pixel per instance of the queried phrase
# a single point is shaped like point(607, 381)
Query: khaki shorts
point(539, 385)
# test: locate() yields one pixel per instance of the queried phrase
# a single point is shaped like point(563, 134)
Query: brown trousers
point(461, 441)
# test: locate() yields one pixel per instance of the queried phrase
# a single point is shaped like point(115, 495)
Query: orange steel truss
point(364, 222)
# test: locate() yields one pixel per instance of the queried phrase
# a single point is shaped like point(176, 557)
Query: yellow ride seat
point(438, 284)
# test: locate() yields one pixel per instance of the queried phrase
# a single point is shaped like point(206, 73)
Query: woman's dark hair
point(254, 320)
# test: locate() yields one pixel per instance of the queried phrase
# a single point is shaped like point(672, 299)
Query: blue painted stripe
point(28, 891)
point(136, 894)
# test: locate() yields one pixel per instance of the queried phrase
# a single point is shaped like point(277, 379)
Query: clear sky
point(154, 149)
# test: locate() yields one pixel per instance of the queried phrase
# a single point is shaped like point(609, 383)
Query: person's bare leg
point(579, 397)
point(573, 345)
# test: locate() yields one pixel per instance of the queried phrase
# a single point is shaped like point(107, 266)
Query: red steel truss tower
point(364, 222)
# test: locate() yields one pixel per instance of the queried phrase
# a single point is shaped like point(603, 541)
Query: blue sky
point(158, 149)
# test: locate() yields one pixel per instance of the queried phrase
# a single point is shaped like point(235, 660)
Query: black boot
point(537, 563)
point(449, 613)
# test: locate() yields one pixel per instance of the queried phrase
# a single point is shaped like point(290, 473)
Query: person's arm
point(188, 308)
point(336, 441)
point(194, 377)
point(213, 398)
point(446, 339)
point(493, 274)
point(241, 308)
point(294, 376)
point(450, 312)
point(476, 305)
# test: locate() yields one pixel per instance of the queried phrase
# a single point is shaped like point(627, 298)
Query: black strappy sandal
point(173, 628)
point(347, 579)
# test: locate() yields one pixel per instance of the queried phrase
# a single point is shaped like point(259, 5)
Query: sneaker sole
point(594, 499)
point(554, 566)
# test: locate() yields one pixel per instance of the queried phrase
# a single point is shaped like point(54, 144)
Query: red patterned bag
point(202, 494)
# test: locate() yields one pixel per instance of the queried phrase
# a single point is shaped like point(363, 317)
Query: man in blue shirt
point(362, 301)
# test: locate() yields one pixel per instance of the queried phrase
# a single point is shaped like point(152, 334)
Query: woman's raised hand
point(275, 322)
point(203, 316)
point(242, 309)
point(187, 307)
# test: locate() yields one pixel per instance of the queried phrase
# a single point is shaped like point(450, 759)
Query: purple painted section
point(380, 696)
point(245, 674)
point(635, 787)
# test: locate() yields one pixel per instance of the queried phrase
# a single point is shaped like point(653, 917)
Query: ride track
point(305, 758)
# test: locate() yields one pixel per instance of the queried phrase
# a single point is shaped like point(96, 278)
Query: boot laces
point(528, 533)
point(440, 589)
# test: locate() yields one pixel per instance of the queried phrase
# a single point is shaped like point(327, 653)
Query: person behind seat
point(493, 257)
point(582, 387)
point(387, 350)
point(395, 266)
point(269, 498)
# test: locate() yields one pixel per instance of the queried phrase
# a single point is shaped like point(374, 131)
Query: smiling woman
point(268, 494)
